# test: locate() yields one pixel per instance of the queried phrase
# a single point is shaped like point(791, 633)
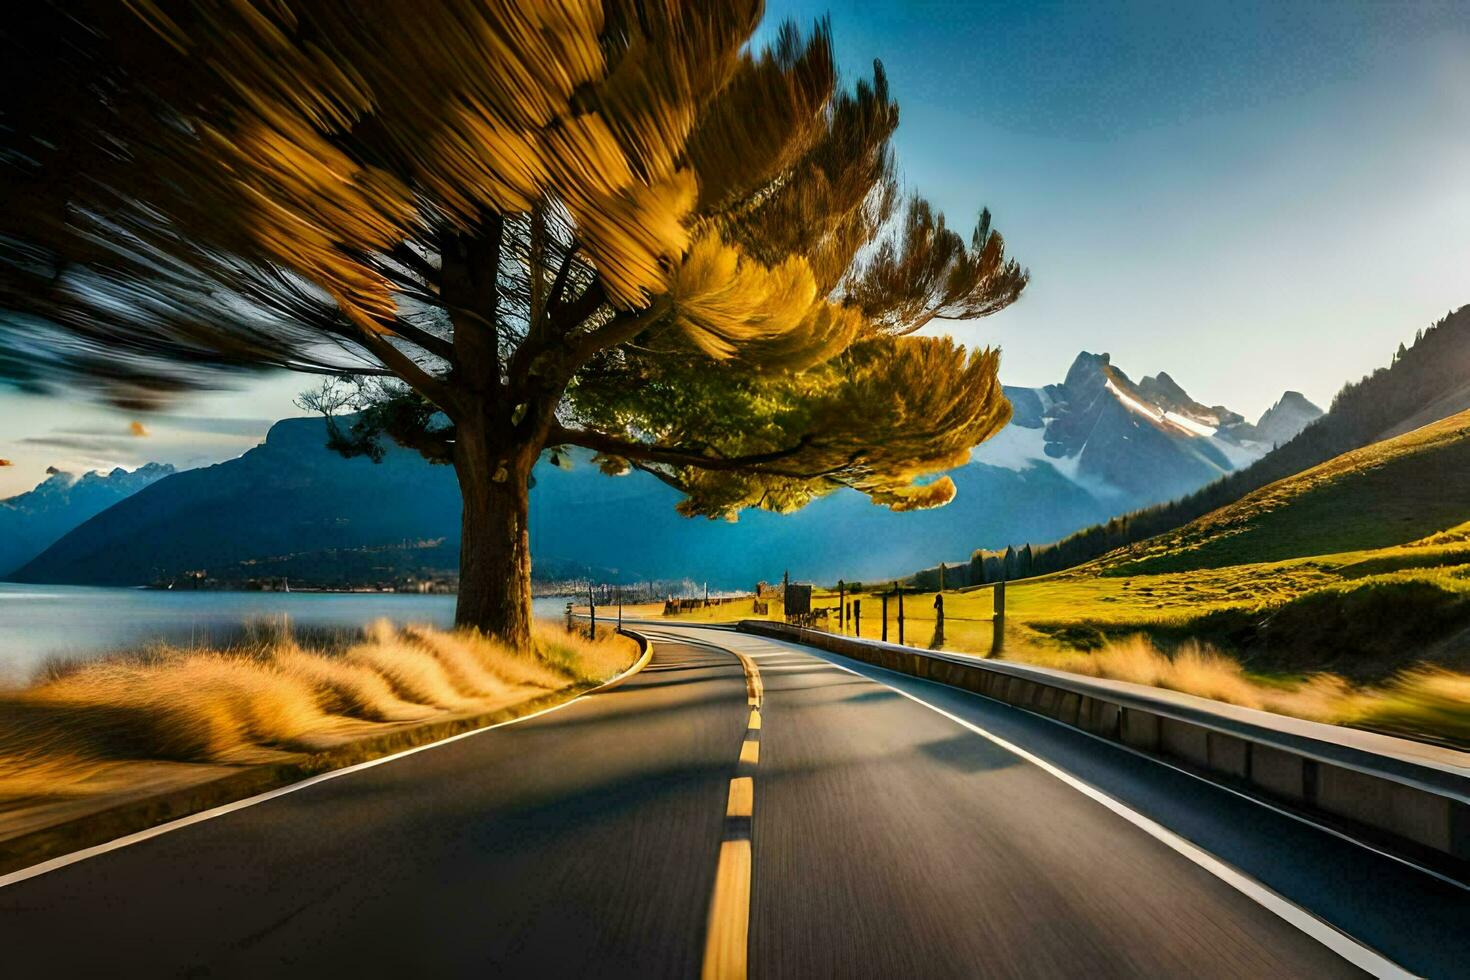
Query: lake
point(41, 621)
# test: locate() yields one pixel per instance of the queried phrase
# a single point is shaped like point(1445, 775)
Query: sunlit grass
point(271, 691)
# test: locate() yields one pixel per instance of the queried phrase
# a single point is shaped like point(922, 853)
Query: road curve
point(856, 831)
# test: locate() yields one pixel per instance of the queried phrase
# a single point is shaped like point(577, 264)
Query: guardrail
point(1399, 795)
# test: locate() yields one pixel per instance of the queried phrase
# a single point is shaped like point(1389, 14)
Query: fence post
point(841, 604)
point(857, 617)
point(897, 587)
point(998, 623)
point(884, 597)
point(591, 611)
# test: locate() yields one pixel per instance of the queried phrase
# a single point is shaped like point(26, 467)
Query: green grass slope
point(1386, 494)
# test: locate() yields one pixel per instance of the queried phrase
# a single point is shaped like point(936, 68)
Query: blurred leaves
point(609, 223)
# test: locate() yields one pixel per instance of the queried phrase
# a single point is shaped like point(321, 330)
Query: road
point(743, 803)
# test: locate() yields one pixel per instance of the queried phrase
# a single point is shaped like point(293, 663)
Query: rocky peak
point(1292, 413)
point(1087, 367)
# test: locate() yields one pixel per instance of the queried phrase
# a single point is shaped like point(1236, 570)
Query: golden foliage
point(685, 245)
point(922, 270)
point(723, 300)
point(759, 124)
point(918, 496)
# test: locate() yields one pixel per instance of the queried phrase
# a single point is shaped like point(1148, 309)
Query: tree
point(515, 228)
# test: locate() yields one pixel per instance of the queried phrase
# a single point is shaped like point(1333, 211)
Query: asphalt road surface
point(745, 804)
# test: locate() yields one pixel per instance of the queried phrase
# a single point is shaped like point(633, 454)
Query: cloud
point(173, 425)
point(104, 446)
point(138, 428)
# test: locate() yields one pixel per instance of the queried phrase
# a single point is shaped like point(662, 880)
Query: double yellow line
point(727, 938)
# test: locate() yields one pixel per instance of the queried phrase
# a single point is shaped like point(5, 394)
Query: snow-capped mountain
point(31, 521)
point(1134, 443)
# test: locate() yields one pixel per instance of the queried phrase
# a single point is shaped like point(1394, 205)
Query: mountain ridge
point(288, 506)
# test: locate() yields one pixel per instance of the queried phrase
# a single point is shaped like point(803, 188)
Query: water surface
point(42, 621)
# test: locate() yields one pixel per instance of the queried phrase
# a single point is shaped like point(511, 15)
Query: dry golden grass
point(414, 673)
point(1419, 702)
point(585, 658)
point(1192, 669)
point(269, 692)
point(350, 689)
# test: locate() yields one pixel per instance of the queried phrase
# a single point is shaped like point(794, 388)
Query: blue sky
point(1252, 197)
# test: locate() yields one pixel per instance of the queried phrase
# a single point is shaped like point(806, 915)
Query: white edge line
point(1362, 956)
point(1258, 801)
point(74, 857)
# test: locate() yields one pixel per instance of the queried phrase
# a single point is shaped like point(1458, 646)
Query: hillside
point(1385, 494)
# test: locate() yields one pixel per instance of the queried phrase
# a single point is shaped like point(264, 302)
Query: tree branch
point(674, 456)
point(409, 370)
point(431, 343)
point(620, 329)
point(567, 317)
point(415, 263)
point(559, 284)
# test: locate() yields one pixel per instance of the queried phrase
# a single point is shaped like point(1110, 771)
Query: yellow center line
point(753, 686)
point(742, 797)
point(729, 914)
point(727, 938)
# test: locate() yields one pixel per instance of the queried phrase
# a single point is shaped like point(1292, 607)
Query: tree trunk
point(495, 543)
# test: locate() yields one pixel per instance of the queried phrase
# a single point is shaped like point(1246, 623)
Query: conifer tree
point(514, 228)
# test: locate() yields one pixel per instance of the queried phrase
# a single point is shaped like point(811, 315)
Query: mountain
point(30, 522)
point(1075, 453)
point(292, 508)
point(1283, 421)
point(1421, 385)
point(1134, 444)
point(287, 496)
